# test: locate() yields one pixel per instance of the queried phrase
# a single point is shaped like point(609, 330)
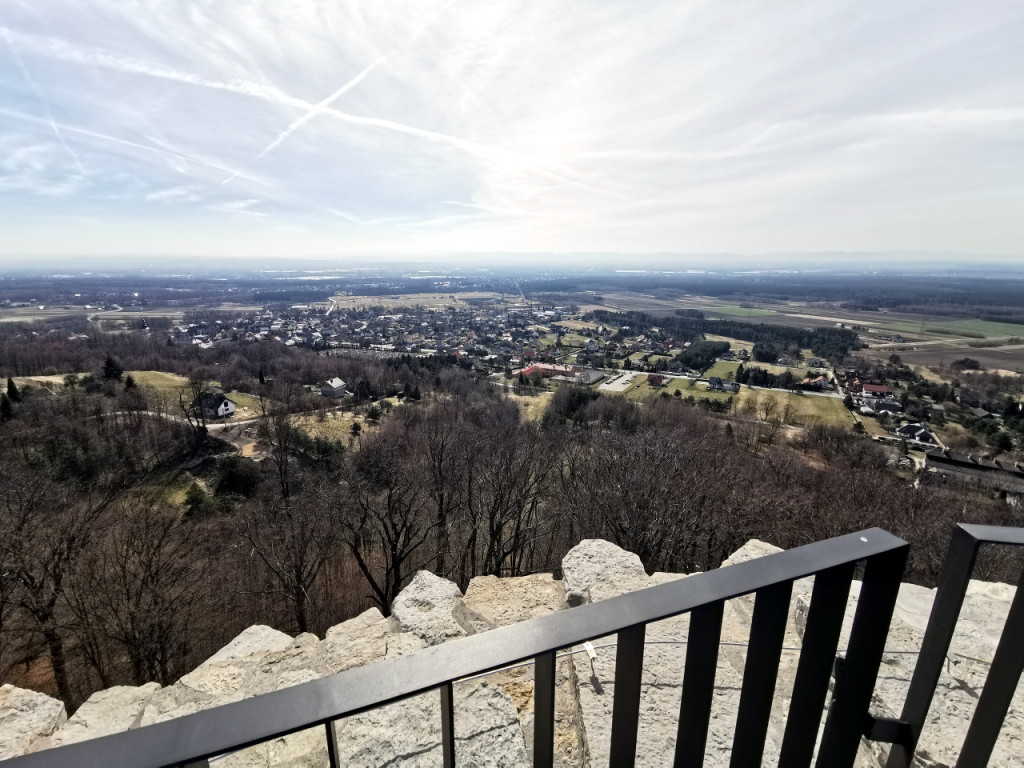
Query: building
point(1001, 475)
point(550, 369)
point(213, 405)
point(917, 434)
point(819, 383)
point(876, 390)
point(333, 388)
point(591, 376)
point(716, 384)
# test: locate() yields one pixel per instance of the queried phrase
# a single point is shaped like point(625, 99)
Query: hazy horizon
point(844, 263)
point(317, 131)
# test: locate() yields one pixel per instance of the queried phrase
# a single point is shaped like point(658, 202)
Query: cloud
point(188, 193)
point(35, 88)
point(508, 125)
point(239, 206)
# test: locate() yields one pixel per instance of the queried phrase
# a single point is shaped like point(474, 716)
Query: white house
point(333, 388)
point(214, 405)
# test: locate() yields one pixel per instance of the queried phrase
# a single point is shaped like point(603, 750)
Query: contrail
point(321, 106)
point(49, 115)
point(60, 50)
point(317, 109)
point(162, 151)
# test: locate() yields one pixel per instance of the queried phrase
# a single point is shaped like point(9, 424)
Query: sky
point(344, 129)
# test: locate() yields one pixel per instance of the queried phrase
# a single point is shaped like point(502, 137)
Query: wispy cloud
point(186, 194)
point(430, 126)
point(42, 102)
point(239, 206)
point(315, 110)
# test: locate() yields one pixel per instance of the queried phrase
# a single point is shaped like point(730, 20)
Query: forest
point(770, 340)
point(110, 575)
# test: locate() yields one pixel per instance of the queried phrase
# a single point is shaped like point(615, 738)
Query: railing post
point(702, 645)
point(629, 667)
point(760, 673)
point(1000, 686)
point(810, 688)
point(333, 758)
point(447, 726)
point(949, 598)
point(851, 698)
point(544, 710)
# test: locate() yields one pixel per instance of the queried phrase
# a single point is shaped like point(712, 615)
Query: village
point(533, 348)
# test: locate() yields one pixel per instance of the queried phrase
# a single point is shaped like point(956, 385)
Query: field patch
point(806, 410)
point(532, 408)
point(429, 300)
point(735, 310)
point(984, 327)
point(336, 425)
point(158, 379)
point(576, 325)
point(723, 369)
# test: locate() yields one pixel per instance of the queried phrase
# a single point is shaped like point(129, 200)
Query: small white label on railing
point(589, 648)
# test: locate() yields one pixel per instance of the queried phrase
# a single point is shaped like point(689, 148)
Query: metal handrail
point(1005, 669)
point(195, 738)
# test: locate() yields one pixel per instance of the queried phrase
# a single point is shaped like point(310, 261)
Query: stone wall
point(494, 714)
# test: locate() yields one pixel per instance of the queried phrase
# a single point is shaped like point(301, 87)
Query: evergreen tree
point(129, 382)
point(12, 391)
point(6, 410)
point(112, 371)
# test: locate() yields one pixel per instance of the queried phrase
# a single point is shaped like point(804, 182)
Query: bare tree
point(788, 412)
point(293, 539)
point(444, 440)
point(279, 433)
point(506, 483)
point(766, 408)
point(47, 529)
point(386, 522)
point(141, 589)
point(190, 398)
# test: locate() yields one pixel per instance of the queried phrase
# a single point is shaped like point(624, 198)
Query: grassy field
point(337, 425)
point(723, 369)
point(735, 310)
point(50, 314)
point(640, 390)
point(532, 407)
point(50, 382)
point(1008, 359)
point(778, 369)
point(985, 327)
point(701, 391)
point(574, 340)
point(872, 426)
point(158, 379)
point(430, 300)
point(576, 325)
point(807, 409)
point(735, 344)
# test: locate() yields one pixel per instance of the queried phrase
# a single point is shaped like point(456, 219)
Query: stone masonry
point(494, 714)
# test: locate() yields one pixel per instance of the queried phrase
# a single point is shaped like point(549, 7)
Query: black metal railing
point(1003, 675)
point(194, 739)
